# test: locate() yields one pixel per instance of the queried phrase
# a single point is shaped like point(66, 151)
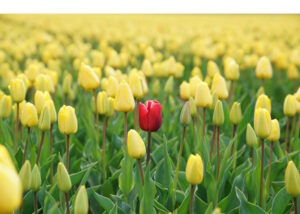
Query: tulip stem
point(141, 170)
point(40, 148)
point(125, 131)
point(231, 92)
point(252, 151)
point(203, 124)
point(26, 145)
point(261, 171)
point(178, 163)
point(194, 133)
point(212, 143)
point(218, 151)
point(17, 128)
point(135, 116)
point(67, 152)
point(270, 162)
point(286, 135)
point(191, 198)
point(35, 202)
point(292, 132)
point(295, 205)
point(67, 202)
point(104, 146)
point(148, 148)
point(96, 110)
point(50, 151)
point(233, 135)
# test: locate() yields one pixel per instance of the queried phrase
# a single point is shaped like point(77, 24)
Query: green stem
point(141, 170)
point(191, 199)
point(17, 128)
point(218, 151)
point(149, 148)
point(40, 148)
point(212, 144)
point(261, 172)
point(67, 203)
point(26, 145)
point(35, 203)
point(286, 135)
point(295, 205)
point(233, 135)
point(125, 131)
point(269, 169)
point(104, 146)
point(50, 151)
point(67, 152)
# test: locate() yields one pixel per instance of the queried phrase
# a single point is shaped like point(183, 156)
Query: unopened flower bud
point(63, 179)
point(251, 138)
point(25, 175)
point(81, 205)
point(235, 113)
point(185, 115)
point(35, 178)
point(218, 116)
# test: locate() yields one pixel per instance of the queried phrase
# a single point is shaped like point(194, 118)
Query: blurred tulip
point(264, 68)
point(292, 180)
point(17, 90)
point(135, 83)
point(290, 105)
point(102, 103)
point(5, 106)
point(212, 68)
point(81, 205)
point(263, 101)
point(29, 116)
point(67, 120)
point(169, 86)
point(219, 86)
point(40, 98)
point(87, 78)
point(185, 90)
point(112, 86)
point(124, 98)
point(45, 119)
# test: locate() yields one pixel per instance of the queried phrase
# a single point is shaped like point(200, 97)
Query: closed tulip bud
point(292, 180)
point(81, 205)
point(32, 71)
point(212, 68)
point(262, 123)
point(67, 120)
point(44, 82)
point(218, 116)
point(112, 86)
point(236, 113)
point(194, 82)
point(5, 106)
point(135, 83)
point(185, 90)
point(124, 98)
point(196, 72)
point(111, 107)
point(290, 106)
point(203, 96)
point(172, 103)
point(136, 145)
point(232, 71)
point(45, 120)
point(260, 91)
point(251, 138)
point(169, 86)
point(147, 68)
point(67, 83)
point(193, 107)
point(264, 68)
point(5, 158)
point(87, 78)
point(25, 175)
point(275, 131)
point(155, 87)
point(194, 169)
point(28, 115)
point(219, 87)
point(35, 178)
point(52, 110)
point(214, 101)
point(292, 72)
point(102, 103)
point(263, 101)
point(185, 115)
point(63, 179)
point(17, 90)
point(217, 210)
point(40, 98)
point(144, 83)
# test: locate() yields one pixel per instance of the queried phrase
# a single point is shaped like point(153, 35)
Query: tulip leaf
point(103, 201)
point(280, 201)
point(126, 180)
point(147, 203)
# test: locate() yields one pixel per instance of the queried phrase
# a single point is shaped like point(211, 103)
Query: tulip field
point(149, 114)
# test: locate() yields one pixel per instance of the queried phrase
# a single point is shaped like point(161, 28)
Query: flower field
point(149, 114)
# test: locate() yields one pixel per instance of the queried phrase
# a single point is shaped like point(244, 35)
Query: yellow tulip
point(135, 83)
point(194, 81)
point(17, 90)
point(147, 68)
point(218, 116)
point(196, 72)
point(194, 169)
point(232, 71)
point(5, 106)
point(292, 180)
point(111, 107)
point(212, 68)
point(275, 131)
point(67, 83)
point(67, 121)
point(29, 116)
point(63, 178)
point(5, 158)
point(219, 86)
point(155, 87)
point(203, 96)
point(263, 101)
point(102, 103)
point(262, 123)
point(45, 120)
point(290, 105)
point(39, 100)
point(235, 115)
point(52, 110)
point(32, 71)
point(251, 138)
point(81, 205)
point(36, 180)
point(292, 72)
point(25, 175)
point(297, 94)
point(169, 86)
point(185, 115)
point(112, 86)
point(44, 82)
point(87, 78)
point(124, 98)
point(135, 144)
point(264, 68)
point(193, 107)
point(185, 90)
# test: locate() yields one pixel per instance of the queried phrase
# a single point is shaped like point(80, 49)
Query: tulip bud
point(169, 86)
point(292, 180)
point(5, 106)
point(135, 145)
point(67, 83)
point(260, 91)
point(44, 83)
point(193, 107)
point(235, 113)
point(67, 121)
point(292, 72)
point(194, 169)
point(214, 101)
point(35, 178)
point(232, 71)
point(251, 138)
point(63, 179)
point(262, 123)
point(17, 90)
point(102, 103)
point(217, 210)
point(5, 158)
point(124, 98)
point(52, 110)
point(263, 101)
point(194, 82)
point(44, 120)
point(203, 96)
point(39, 100)
point(112, 86)
point(219, 86)
point(212, 68)
point(196, 72)
point(275, 131)
point(172, 104)
point(218, 116)
point(264, 68)
point(111, 107)
point(185, 115)
point(81, 205)
point(155, 87)
point(135, 83)
point(32, 71)
point(147, 68)
point(185, 90)
point(289, 106)
point(28, 116)
point(87, 78)
point(25, 175)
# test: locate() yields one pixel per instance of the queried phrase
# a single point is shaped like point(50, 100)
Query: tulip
point(194, 174)
point(263, 101)
point(81, 205)
point(112, 86)
point(136, 148)
point(264, 69)
point(196, 72)
point(251, 140)
point(235, 118)
point(5, 157)
point(289, 110)
point(155, 87)
point(44, 83)
point(194, 82)
point(5, 106)
point(87, 78)
point(185, 90)
point(147, 68)
point(212, 68)
point(150, 119)
point(232, 73)
point(124, 98)
point(25, 175)
point(35, 185)
point(40, 98)
point(135, 83)
point(185, 116)
point(102, 103)
point(169, 86)
point(292, 182)
point(219, 86)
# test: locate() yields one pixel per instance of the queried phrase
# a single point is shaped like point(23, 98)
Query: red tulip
point(150, 116)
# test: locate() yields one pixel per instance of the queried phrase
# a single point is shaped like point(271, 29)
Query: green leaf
point(280, 201)
point(147, 203)
point(104, 202)
point(126, 180)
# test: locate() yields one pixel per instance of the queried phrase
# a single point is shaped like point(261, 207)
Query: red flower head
point(150, 116)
